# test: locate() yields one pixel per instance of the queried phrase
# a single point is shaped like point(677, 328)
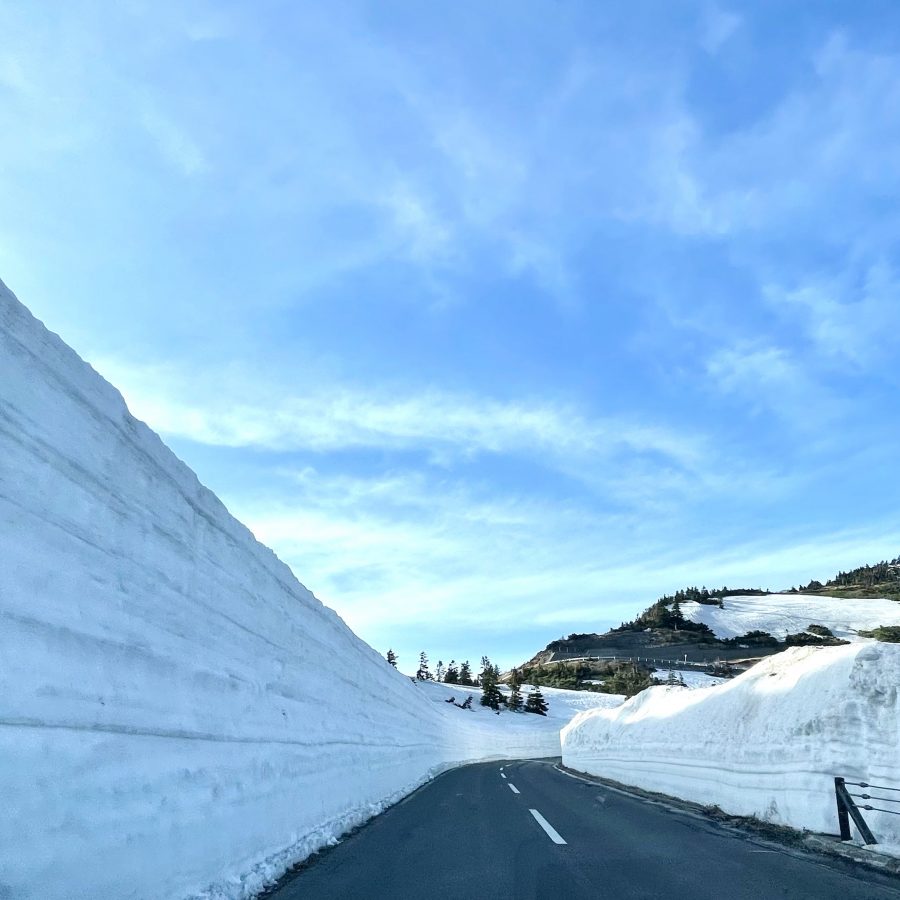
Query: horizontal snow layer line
point(107, 644)
point(702, 772)
point(184, 735)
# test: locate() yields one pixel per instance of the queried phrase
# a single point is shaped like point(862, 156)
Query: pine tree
point(677, 615)
point(422, 672)
point(514, 701)
point(439, 672)
point(465, 674)
point(392, 658)
point(490, 693)
point(452, 674)
point(535, 702)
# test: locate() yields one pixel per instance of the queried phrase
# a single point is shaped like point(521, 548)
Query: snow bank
point(179, 716)
point(766, 744)
point(783, 614)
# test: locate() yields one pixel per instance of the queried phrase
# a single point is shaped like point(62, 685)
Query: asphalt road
point(468, 834)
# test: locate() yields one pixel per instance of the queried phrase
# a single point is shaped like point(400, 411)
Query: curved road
point(471, 833)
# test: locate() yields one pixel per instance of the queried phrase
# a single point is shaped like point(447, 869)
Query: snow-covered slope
point(692, 680)
point(782, 614)
point(178, 715)
point(562, 706)
point(766, 744)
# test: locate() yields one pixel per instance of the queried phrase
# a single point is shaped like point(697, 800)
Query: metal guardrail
point(650, 660)
point(848, 808)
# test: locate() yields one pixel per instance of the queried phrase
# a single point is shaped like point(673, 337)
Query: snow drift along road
point(178, 715)
point(767, 744)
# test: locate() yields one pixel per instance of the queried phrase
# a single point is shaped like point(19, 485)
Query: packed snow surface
point(783, 614)
point(179, 716)
point(767, 743)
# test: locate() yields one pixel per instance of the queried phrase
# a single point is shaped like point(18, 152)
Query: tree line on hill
point(666, 613)
point(488, 679)
point(607, 677)
point(883, 573)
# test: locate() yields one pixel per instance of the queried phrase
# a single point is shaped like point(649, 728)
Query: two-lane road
point(522, 830)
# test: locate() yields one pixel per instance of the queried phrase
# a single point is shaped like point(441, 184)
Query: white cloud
point(227, 409)
point(851, 320)
point(398, 550)
point(770, 378)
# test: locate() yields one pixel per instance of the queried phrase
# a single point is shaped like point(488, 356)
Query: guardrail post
point(846, 806)
point(843, 818)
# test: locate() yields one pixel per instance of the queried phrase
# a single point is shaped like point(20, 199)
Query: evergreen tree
point(514, 701)
point(452, 674)
point(465, 674)
point(422, 672)
point(439, 672)
point(535, 702)
point(392, 658)
point(490, 693)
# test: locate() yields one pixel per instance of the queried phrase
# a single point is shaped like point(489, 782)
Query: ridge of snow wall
point(179, 716)
point(767, 744)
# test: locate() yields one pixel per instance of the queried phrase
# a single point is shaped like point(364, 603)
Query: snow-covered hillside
point(767, 743)
point(562, 705)
point(179, 716)
point(782, 614)
point(692, 680)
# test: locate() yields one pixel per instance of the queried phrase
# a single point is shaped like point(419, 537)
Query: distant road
point(529, 831)
point(697, 654)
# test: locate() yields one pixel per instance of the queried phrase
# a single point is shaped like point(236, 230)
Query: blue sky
point(496, 321)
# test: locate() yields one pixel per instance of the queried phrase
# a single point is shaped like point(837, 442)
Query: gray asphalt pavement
point(469, 835)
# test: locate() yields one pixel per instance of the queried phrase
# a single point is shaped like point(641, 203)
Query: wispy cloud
point(229, 409)
point(850, 319)
point(174, 143)
point(512, 317)
point(718, 26)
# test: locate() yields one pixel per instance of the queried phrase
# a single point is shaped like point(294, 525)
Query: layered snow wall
point(767, 744)
point(179, 716)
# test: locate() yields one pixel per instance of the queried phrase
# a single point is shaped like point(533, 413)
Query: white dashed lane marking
point(552, 833)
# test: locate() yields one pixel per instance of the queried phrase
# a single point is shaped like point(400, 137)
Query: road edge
point(782, 836)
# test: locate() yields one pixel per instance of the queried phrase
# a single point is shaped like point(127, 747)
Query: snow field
point(783, 614)
point(179, 716)
point(532, 735)
point(692, 680)
point(767, 743)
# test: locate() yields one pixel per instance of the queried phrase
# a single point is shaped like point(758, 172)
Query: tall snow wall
point(179, 716)
point(768, 744)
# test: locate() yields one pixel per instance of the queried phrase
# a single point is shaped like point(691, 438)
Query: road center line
point(513, 788)
point(502, 775)
point(552, 833)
